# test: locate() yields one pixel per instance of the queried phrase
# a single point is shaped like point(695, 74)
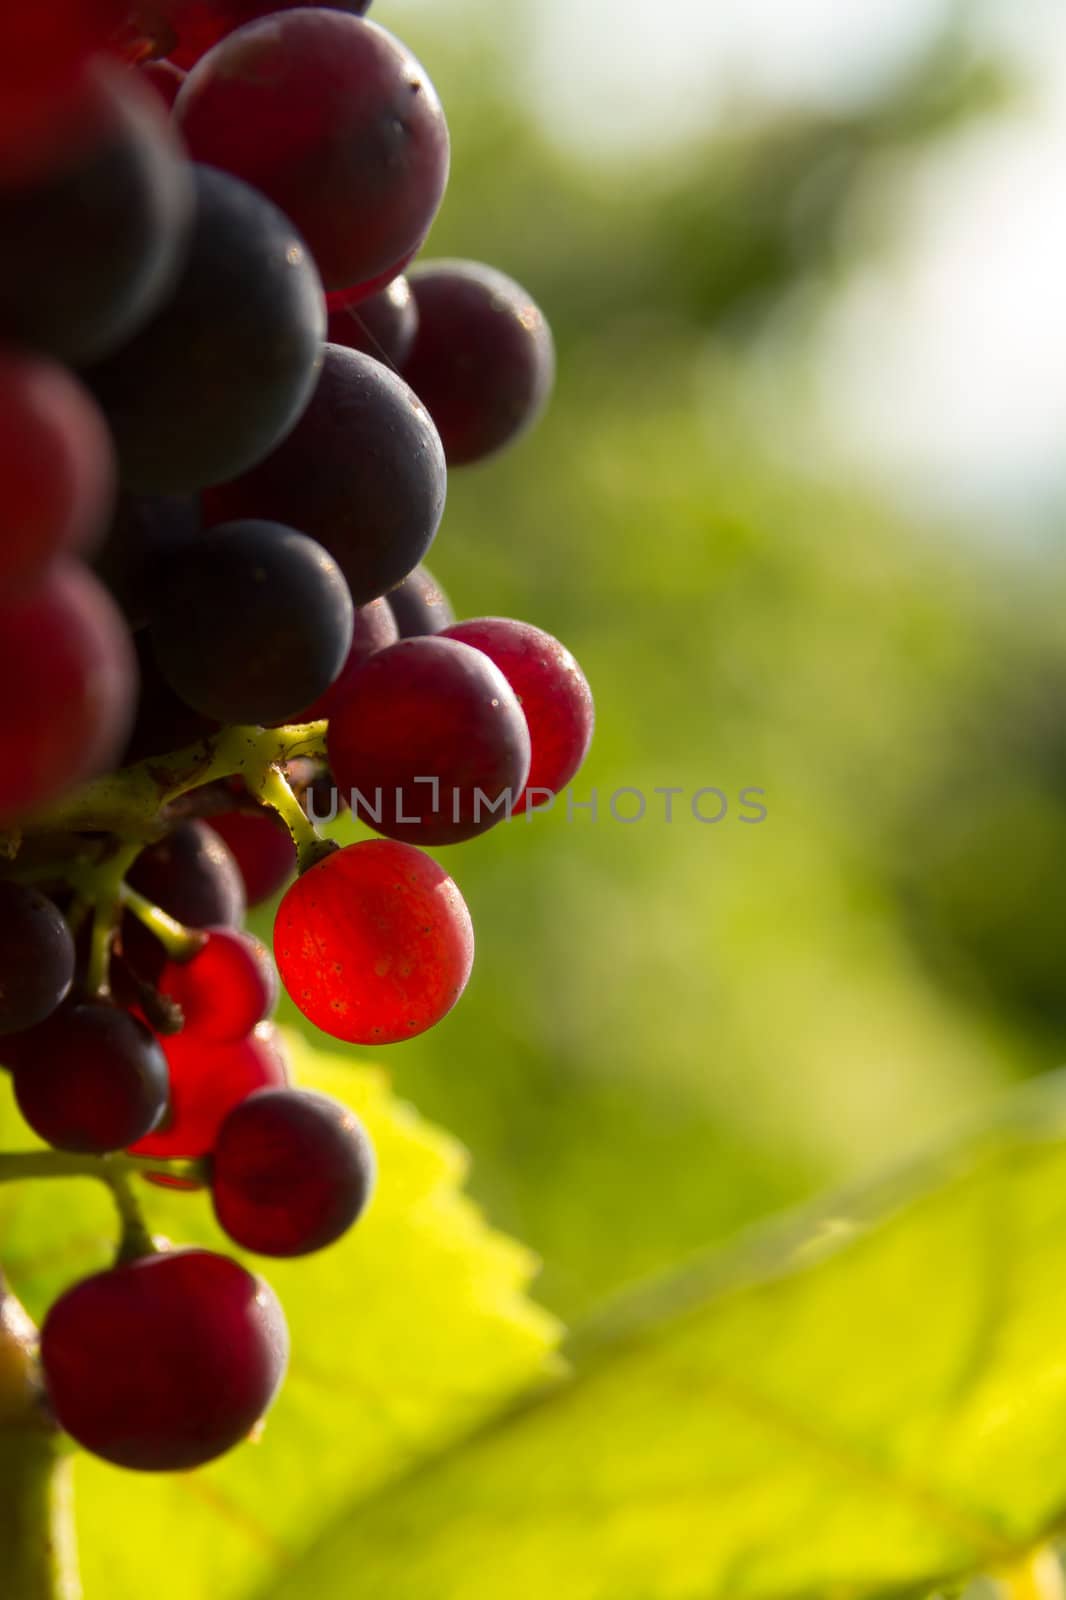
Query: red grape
point(292, 1171)
point(374, 944)
point(262, 848)
point(43, 52)
point(482, 361)
point(68, 682)
point(206, 1081)
point(552, 691)
point(165, 1362)
point(429, 743)
point(226, 988)
point(56, 465)
point(337, 123)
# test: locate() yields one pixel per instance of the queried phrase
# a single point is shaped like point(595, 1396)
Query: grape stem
point(274, 790)
point(36, 1521)
point(16, 1165)
point(179, 942)
point(133, 802)
point(135, 1238)
point(102, 887)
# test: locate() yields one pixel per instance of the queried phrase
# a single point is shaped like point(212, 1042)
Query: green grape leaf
point(405, 1335)
point(869, 1402)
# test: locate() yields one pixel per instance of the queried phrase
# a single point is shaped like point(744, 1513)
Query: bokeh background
point(797, 510)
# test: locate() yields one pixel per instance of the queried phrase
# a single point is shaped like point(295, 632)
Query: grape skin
point(223, 370)
point(57, 467)
point(429, 709)
point(123, 194)
point(420, 605)
point(292, 1171)
point(227, 987)
point(362, 472)
point(68, 681)
point(251, 622)
point(91, 1078)
point(165, 1362)
point(553, 692)
point(337, 123)
point(263, 849)
point(374, 944)
point(36, 957)
point(375, 629)
point(382, 326)
point(482, 361)
point(184, 30)
point(207, 1080)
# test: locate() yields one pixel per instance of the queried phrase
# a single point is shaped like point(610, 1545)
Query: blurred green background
point(676, 1028)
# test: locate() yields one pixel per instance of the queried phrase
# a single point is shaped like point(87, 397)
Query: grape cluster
point(228, 420)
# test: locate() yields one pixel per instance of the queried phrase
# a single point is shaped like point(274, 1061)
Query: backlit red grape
point(374, 944)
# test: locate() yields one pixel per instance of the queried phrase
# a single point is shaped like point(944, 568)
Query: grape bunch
point(230, 403)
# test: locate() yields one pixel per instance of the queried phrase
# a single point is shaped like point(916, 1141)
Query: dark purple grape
point(251, 622)
point(482, 362)
point(362, 472)
point(420, 605)
point(90, 250)
point(36, 957)
point(164, 722)
point(382, 326)
point(143, 527)
point(91, 1078)
point(223, 370)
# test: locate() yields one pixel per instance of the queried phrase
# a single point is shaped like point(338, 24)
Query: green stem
point(273, 789)
point(179, 942)
point(133, 801)
point(37, 1544)
point(17, 1165)
point(102, 886)
point(37, 1550)
point(136, 1238)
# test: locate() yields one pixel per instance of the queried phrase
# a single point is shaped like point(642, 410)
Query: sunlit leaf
point(404, 1335)
point(872, 1402)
